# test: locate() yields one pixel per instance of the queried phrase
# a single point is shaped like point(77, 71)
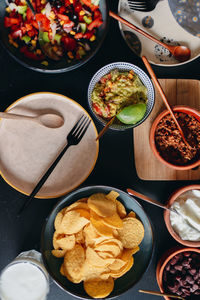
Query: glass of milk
point(25, 278)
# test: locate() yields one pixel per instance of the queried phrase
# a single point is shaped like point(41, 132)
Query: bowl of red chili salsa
point(167, 143)
point(75, 29)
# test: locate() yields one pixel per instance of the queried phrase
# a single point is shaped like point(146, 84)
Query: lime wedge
point(132, 114)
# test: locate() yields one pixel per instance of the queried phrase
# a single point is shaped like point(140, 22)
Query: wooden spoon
point(105, 128)
point(157, 84)
point(161, 294)
point(180, 53)
point(48, 120)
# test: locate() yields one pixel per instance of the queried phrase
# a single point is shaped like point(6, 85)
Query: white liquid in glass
point(23, 281)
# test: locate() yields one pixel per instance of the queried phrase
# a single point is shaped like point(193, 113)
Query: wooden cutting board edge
point(178, 91)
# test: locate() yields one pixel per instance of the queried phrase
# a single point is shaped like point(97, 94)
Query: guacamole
point(117, 90)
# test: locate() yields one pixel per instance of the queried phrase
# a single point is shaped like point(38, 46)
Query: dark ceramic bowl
point(123, 66)
point(141, 258)
point(54, 66)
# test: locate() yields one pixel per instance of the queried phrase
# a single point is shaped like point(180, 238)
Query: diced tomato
point(97, 109)
point(78, 7)
point(17, 2)
point(67, 3)
point(28, 27)
point(37, 2)
point(31, 33)
point(90, 5)
point(63, 17)
point(29, 15)
point(96, 23)
point(40, 17)
point(34, 5)
point(80, 17)
point(16, 34)
point(39, 6)
point(35, 24)
point(8, 22)
point(45, 23)
point(23, 29)
point(97, 14)
point(88, 34)
point(30, 54)
point(78, 35)
point(105, 78)
point(62, 9)
point(69, 43)
point(14, 27)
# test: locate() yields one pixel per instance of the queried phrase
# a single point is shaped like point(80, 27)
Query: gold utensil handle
point(161, 294)
point(105, 128)
point(145, 198)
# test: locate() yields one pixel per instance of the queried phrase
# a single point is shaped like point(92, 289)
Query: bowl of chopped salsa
point(121, 91)
point(167, 143)
point(72, 31)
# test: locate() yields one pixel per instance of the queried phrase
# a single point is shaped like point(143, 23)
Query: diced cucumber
point(26, 39)
point(21, 9)
point(87, 20)
point(45, 37)
point(57, 38)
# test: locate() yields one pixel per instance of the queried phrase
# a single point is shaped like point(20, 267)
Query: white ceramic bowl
point(123, 66)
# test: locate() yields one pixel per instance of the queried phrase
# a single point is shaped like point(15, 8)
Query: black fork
point(73, 138)
point(142, 5)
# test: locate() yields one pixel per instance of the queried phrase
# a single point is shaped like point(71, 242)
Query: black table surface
point(115, 166)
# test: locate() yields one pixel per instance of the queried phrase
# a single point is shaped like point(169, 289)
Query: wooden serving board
point(178, 91)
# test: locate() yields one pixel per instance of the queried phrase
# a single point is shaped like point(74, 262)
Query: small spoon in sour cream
point(154, 202)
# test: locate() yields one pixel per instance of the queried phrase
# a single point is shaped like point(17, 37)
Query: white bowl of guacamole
point(123, 90)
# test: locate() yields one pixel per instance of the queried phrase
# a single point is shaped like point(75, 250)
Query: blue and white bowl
point(123, 66)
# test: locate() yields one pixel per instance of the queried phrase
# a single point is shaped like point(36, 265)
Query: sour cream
point(23, 281)
point(187, 223)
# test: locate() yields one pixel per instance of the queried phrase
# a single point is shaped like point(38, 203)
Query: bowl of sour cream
point(184, 224)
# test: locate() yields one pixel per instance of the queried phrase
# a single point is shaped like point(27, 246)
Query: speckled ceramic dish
point(172, 22)
point(27, 148)
point(123, 66)
point(141, 258)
